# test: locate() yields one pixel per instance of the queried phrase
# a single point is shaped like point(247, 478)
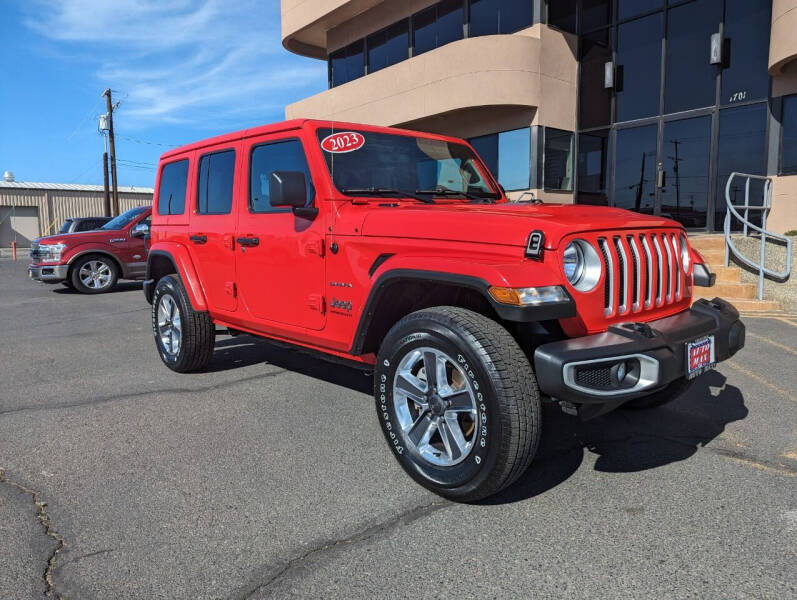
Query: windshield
point(364, 161)
point(65, 227)
point(125, 218)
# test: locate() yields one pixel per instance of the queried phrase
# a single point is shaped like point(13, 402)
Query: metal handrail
point(764, 208)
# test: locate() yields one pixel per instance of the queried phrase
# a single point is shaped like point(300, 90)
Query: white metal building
point(29, 210)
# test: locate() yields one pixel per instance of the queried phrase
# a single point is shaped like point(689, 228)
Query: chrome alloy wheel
point(95, 274)
point(435, 406)
point(170, 330)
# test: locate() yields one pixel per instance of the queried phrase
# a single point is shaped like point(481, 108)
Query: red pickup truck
point(398, 251)
point(93, 261)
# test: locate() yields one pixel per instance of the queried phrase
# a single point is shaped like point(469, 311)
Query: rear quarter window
point(172, 188)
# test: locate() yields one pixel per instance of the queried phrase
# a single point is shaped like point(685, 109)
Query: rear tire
point(94, 274)
point(480, 426)
point(184, 337)
point(674, 390)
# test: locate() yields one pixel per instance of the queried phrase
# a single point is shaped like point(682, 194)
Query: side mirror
point(140, 230)
point(289, 188)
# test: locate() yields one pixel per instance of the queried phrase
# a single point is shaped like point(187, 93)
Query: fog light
point(621, 371)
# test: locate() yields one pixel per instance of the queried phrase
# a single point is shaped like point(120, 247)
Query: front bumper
point(579, 370)
point(48, 273)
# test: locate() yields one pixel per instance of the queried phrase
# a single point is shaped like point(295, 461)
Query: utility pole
point(110, 106)
point(106, 200)
point(675, 169)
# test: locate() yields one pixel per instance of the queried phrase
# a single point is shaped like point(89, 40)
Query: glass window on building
point(685, 160)
point(558, 160)
point(489, 17)
point(508, 156)
point(437, 25)
point(690, 78)
point(638, 78)
point(593, 168)
point(347, 63)
point(562, 14)
point(631, 8)
point(389, 46)
point(788, 143)
point(595, 100)
point(635, 169)
point(747, 27)
point(741, 148)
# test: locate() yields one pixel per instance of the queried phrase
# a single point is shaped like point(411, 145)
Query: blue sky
point(183, 70)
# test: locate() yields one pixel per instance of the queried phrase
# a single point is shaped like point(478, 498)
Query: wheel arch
point(398, 292)
point(165, 261)
point(74, 259)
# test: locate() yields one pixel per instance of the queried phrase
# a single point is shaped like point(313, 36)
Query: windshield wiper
point(442, 190)
point(381, 191)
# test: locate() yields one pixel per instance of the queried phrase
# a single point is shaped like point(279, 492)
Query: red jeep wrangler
point(93, 261)
point(399, 251)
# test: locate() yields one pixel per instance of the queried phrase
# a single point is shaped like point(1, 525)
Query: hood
point(79, 237)
point(505, 223)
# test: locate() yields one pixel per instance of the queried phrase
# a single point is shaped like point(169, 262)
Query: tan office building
point(641, 104)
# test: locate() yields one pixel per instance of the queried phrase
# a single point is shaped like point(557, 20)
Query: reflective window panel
point(635, 168)
point(639, 66)
point(593, 167)
point(686, 148)
point(747, 24)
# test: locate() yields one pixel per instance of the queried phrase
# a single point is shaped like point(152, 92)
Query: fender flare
point(472, 281)
point(178, 255)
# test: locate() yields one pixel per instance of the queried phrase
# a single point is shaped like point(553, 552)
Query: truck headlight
point(685, 256)
point(582, 265)
point(51, 252)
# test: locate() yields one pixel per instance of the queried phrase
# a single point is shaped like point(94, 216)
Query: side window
point(171, 193)
point(287, 155)
point(84, 226)
point(214, 194)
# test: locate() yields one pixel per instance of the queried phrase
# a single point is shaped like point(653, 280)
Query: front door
point(279, 256)
point(212, 227)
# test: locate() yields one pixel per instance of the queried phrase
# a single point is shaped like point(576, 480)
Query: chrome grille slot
point(635, 266)
point(608, 284)
point(666, 243)
point(648, 271)
point(678, 266)
point(622, 277)
point(659, 271)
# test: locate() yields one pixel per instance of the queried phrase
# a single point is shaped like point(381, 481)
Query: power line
point(147, 142)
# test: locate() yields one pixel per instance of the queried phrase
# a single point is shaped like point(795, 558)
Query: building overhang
point(305, 23)
point(488, 71)
point(783, 41)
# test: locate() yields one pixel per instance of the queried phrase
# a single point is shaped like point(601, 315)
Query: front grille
point(35, 252)
point(642, 271)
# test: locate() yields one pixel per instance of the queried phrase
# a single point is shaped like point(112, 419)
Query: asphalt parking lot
point(268, 476)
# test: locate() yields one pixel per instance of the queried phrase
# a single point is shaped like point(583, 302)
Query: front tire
point(457, 401)
point(184, 337)
point(94, 274)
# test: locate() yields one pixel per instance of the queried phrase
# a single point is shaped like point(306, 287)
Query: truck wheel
point(184, 336)
point(674, 390)
point(457, 401)
point(94, 274)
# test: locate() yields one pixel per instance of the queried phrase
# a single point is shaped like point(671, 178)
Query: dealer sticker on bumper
point(699, 356)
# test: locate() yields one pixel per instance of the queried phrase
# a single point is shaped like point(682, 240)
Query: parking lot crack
point(301, 561)
point(49, 530)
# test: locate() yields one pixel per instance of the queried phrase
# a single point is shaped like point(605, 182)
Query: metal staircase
point(718, 250)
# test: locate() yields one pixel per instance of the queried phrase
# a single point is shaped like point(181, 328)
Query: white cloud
point(183, 61)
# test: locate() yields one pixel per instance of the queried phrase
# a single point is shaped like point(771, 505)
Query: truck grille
point(35, 252)
point(643, 271)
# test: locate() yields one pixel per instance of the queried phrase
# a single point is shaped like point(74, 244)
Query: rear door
point(281, 272)
point(212, 226)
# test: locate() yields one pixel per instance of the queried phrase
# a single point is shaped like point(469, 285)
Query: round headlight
point(573, 262)
point(685, 256)
point(582, 265)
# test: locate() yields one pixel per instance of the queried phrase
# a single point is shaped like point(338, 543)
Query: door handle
point(198, 239)
point(248, 241)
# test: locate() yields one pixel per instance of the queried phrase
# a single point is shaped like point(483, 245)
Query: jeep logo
point(341, 304)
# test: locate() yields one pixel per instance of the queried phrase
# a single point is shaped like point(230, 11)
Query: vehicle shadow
point(122, 286)
point(627, 441)
point(244, 350)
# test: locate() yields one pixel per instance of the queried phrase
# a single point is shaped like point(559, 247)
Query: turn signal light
point(531, 296)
